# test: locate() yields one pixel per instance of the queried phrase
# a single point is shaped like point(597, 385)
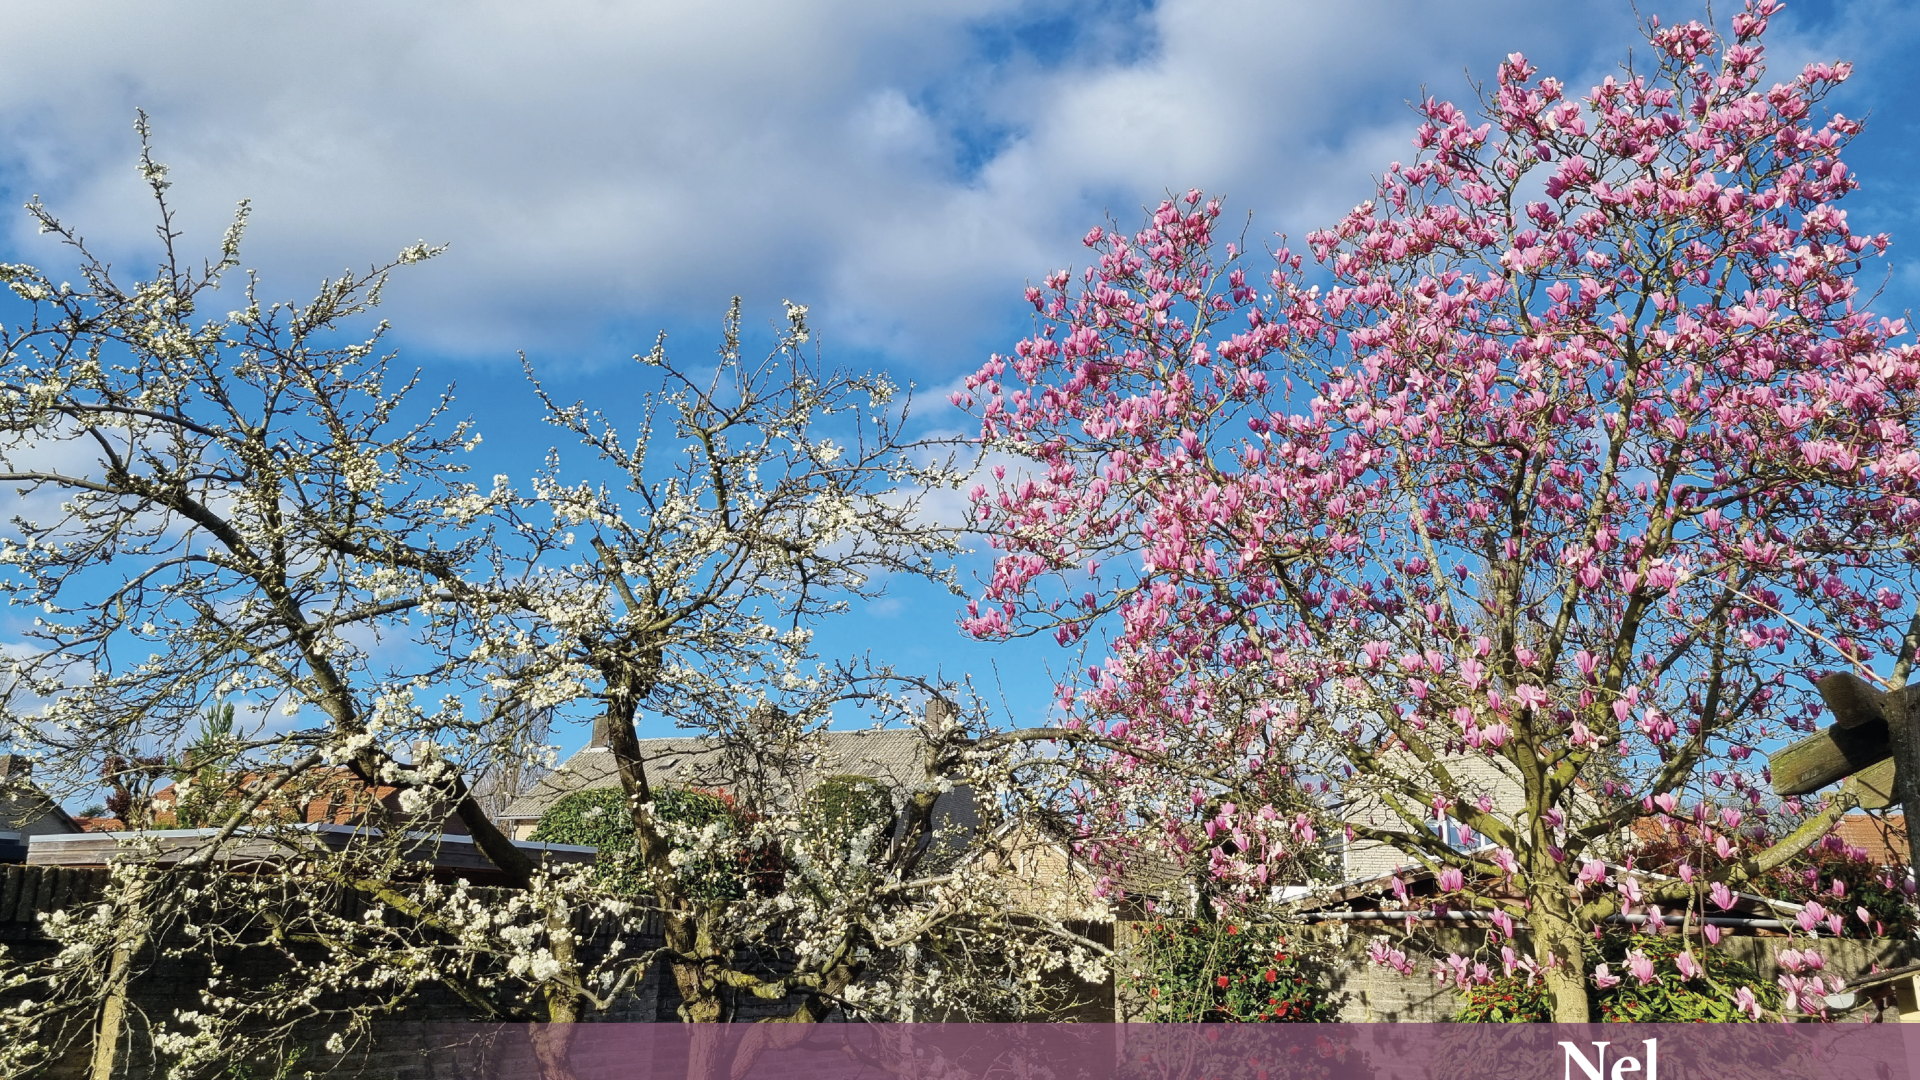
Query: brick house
point(893, 757)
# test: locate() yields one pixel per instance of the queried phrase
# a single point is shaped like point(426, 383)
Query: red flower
point(1221, 981)
point(1272, 975)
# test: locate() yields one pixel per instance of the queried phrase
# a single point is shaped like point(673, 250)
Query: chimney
point(599, 740)
point(14, 765)
point(941, 712)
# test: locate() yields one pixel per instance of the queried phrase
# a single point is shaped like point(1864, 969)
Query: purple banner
point(1176, 1052)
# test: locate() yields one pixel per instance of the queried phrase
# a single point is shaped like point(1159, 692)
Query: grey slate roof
point(891, 756)
point(25, 810)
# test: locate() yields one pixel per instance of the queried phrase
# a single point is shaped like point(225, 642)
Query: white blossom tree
point(251, 506)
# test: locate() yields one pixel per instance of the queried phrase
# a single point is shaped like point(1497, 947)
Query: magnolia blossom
point(1382, 953)
point(1689, 967)
point(1640, 967)
point(1811, 916)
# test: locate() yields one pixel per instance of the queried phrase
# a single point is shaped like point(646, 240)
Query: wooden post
point(1906, 765)
point(1906, 1004)
point(1829, 756)
point(1852, 700)
point(1872, 744)
point(1861, 737)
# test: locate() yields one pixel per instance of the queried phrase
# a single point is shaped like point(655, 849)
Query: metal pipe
point(1707, 920)
point(1481, 916)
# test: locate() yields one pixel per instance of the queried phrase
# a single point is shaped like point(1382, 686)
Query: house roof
point(325, 795)
point(1884, 839)
point(24, 808)
point(893, 756)
point(449, 856)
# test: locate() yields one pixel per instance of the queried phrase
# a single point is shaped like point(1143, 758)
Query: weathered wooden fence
point(112, 1041)
point(26, 892)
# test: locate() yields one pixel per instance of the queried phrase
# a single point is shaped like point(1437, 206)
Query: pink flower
point(1386, 956)
point(1811, 916)
point(1722, 896)
point(1629, 887)
point(1743, 1000)
point(1504, 922)
point(1640, 967)
point(1712, 933)
point(1689, 967)
point(1605, 979)
point(1451, 879)
point(1799, 961)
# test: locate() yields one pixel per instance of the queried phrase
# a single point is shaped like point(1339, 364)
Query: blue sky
point(602, 170)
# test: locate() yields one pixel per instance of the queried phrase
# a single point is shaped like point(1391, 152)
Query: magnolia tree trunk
point(1557, 946)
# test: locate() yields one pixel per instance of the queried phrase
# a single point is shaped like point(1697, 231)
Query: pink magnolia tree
point(1565, 462)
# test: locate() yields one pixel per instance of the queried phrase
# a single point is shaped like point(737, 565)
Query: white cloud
point(597, 164)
